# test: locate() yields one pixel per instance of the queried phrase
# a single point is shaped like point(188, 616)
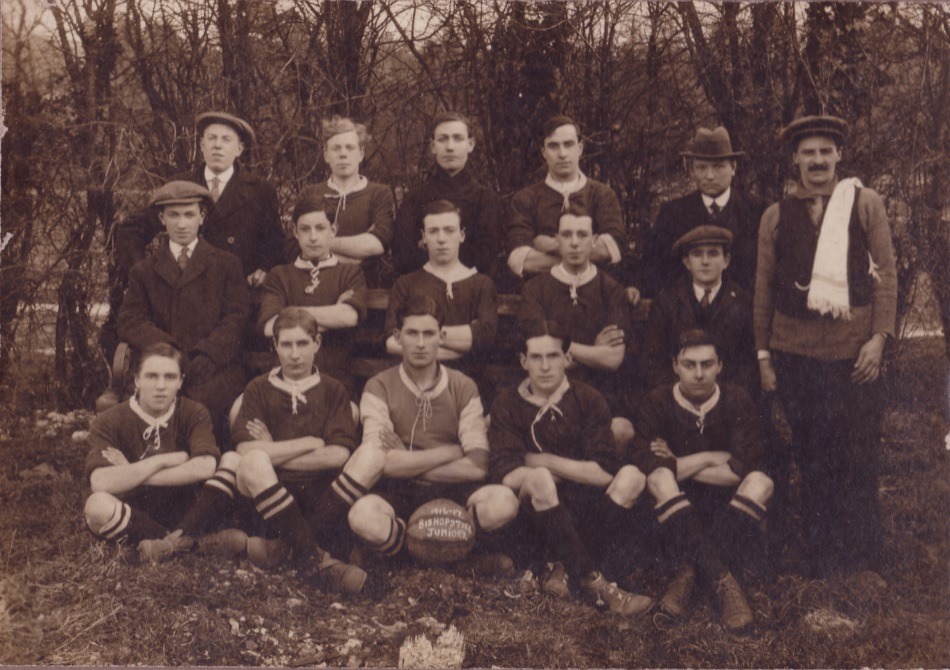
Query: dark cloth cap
point(809, 126)
point(712, 144)
point(179, 192)
point(703, 235)
point(242, 127)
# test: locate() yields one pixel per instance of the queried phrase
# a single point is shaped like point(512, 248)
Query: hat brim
point(692, 154)
point(180, 201)
point(246, 136)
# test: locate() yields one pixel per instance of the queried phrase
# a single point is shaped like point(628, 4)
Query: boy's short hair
point(696, 338)
point(313, 202)
point(337, 125)
point(162, 349)
point(449, 117)
point(291, 317)
point(555, 122)
point(540, 328)
point(577, 210)
point(419, 305)
point(440, 207)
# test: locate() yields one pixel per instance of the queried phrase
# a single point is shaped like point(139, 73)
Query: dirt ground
point(66, 599)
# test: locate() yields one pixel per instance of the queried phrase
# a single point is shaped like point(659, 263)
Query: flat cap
point(809, 126)
point(703, 235)
point(242, 127)
point(711, 144)
point(179, 192)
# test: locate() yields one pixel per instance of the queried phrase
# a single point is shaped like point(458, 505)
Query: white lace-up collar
point(701, 411)
point(152, 433)
point(544, 404)
point(575, 281)
point(566, 188)
point(330, 262)
point(295, 389)
point(423, 397)
point(454, 275)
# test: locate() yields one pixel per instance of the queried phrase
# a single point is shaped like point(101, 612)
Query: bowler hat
point(242, 127)
point(179, 192)
point(809, 126)
point(712, 144)
point(703, 235)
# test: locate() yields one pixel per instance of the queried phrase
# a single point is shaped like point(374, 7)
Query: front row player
point(294, 431)
point(424, 426)
point(147, 459)
point(706, 437)
point(552, 444)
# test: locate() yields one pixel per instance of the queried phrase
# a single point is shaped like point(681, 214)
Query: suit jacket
point(244, 221)
point(741, 215)
point(729, 320)
point(202, 310)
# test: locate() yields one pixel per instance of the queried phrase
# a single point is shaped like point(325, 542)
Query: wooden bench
point(370, 357)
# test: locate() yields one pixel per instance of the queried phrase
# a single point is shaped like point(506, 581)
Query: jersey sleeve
point(274, 297)
point(383, 211)
point(609, 220)
point(339, 430)
point(521, 225)
point(747, 445)
point(473, 433)
point(397, 295)
point(599, 445)
point(252, 407)
point(198, 432)
point(374, 410)
point(354, 280)
point(104, 432)
point(618, 310)
point(649, 426)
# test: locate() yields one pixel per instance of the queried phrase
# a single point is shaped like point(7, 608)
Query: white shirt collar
point(176, 248)
point(699, 291)
point(722, 199)
point(223, 178)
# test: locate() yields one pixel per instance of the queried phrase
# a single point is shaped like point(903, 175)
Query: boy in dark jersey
point(591, 308)
point(466, 296)
point(331, 291)
point(552, 445)
point(706, 438)
point(294, 432)
point(148, 459)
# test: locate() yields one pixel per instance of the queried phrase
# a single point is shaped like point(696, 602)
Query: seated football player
point(333, 292)
point(193, 296)
point(363, 210)
point(452, 179)
point(552, 445)
point(148, 459)
point(700, 445)
point(294, 432)
point(705, 299)
point(427, 422)
point(534, 213)
point(590, 306)
point(467, 297)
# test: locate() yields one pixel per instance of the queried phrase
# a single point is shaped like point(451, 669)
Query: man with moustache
point(824, 307)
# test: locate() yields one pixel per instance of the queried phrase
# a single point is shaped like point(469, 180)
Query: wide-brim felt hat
point(809, 126)
point(703, 235)
point(711, 144)
point(179, 192)
point(242, 127)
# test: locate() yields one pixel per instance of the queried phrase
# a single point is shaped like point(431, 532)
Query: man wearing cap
point(825, 306)
point(194, 296)
point(711, 163)
point(705, 299)
point(536, 210)
point(242, 216)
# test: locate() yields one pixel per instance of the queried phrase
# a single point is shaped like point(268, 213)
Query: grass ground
point(65, 599)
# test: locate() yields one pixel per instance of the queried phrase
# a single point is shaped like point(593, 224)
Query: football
point(440, 531)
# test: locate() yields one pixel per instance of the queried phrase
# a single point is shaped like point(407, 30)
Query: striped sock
point(748, 506)
point(281, 512)
point(397, 538)
point(212, 503)
point(334, 504)
point(131, 523)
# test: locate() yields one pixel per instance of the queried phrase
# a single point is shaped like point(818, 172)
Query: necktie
point(183, 260)
point(215, 189)
point(704, 303)
point(714, 210)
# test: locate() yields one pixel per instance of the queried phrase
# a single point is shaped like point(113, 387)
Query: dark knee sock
point(560, 535)
point(281, 512)
point(132, 525)
point(213, 501)
point(394, 541)
point(739, 534)
point(335, 503)
point(686, 541)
